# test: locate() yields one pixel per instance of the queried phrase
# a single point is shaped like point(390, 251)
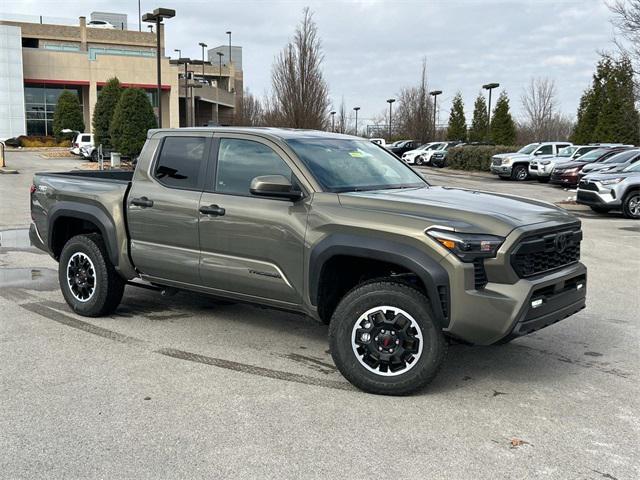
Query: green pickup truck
point(326, 225)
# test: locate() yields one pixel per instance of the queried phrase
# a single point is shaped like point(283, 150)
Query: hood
point(465, 210)
point(598, 166)
point(572, 164)
point(415, 152)
point(505, 155)
point(615, 173)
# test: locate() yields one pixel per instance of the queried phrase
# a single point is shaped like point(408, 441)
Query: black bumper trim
point(35, 239)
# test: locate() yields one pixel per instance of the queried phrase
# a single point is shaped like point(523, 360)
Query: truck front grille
point(585, 185)
point(546, 251)
point(496, 161)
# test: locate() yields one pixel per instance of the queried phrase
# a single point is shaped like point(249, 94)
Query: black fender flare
point(433, 275)
point(90, 213)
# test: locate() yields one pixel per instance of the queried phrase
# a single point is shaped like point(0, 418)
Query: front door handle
point(143, 202)
point(213, 210)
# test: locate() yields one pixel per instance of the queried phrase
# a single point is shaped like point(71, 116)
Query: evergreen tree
point(68, 114)
point(503, 128)
point(607, 110)
point(457, 128)
point(480, 123)
point(103, 112)
point(132, 119)
point(618, 118)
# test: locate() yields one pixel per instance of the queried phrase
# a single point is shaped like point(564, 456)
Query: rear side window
point(180, 162)
point(240, 161)
point(545, 150)
point(85, 138)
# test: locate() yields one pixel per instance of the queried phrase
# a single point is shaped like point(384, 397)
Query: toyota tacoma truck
point(326, 225)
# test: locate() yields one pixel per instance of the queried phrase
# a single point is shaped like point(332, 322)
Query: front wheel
point(89, 282)
point(519, 173)
point(384, 338)
point(631, 205)
point(419, 161)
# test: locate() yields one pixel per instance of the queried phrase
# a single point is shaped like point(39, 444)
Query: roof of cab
point(280, 133)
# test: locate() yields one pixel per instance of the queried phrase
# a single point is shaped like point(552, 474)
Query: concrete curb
point(5, 170)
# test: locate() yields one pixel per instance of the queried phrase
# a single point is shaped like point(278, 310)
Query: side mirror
point(274, 186)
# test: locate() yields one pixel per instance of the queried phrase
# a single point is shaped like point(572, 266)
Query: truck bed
point(101, 175)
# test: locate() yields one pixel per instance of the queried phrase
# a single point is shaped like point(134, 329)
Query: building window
point(40, 104)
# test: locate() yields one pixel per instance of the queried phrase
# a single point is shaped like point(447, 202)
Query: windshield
point(567, 151)
point(622, 157)
point(529, 148)
point(593, 155)
point(345, 165)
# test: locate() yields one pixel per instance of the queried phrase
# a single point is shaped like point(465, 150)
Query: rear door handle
point(213, 210)
point(143, 202)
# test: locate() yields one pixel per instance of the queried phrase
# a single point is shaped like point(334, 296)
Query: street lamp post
point(220, 55)
point(185, 62)
point(390, 102)
point(490, 86)
point(356, 109)
point(435, 94)
point(229, 33)
point(179, 52)
point(333, 120)
point(156, 17)
point(203, 45)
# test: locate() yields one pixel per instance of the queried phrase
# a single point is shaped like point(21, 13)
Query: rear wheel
point(89, 282)
point(94, 156)
point(519, 173)
point(384, 338)
point(631, 205)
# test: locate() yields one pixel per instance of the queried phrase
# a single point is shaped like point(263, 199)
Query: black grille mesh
point(479, 274)
point(539, 254)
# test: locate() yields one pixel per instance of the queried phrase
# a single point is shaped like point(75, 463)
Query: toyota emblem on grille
point(561, 242)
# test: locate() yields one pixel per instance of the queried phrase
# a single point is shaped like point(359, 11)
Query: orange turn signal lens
point(450, 244)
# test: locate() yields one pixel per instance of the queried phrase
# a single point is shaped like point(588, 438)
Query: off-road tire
point(629, 208)
point(94, 156)
point(386, 292)
point(108, 284)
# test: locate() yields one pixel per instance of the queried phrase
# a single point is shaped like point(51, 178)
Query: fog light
point(579, 287)
point(537, 303)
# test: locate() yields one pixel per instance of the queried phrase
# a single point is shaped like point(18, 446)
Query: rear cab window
point(181, 162)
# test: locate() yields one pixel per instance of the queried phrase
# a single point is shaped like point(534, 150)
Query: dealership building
point(38, 61)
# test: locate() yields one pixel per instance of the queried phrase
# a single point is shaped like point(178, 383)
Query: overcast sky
point(374, 47)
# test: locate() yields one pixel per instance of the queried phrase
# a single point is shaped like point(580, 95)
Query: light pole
point(229, 33)
point(185, 62)
point(203, 45)
point(489, 86)
point(220, 55)
point(139, 17)
point(333, 120)
point(356, 109)
point(156, 17)
point(390, 102)
point(150, 27)
point(435, 94)
point(179, 52)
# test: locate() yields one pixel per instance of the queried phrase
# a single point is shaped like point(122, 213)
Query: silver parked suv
point(542, 166)
point(516, 165)
point(613, 190)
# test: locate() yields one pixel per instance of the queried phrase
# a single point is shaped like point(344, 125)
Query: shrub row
point(37, 141)
point(475, 157)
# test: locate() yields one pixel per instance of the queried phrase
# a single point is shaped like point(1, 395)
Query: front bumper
point(501, 170)
point(600, 198)
point(540, 171)
point(501, 311)
point(570, 179)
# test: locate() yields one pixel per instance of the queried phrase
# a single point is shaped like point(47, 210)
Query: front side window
point(544, 150)
point(343, 165)
point(240, 161)
point(180, 162)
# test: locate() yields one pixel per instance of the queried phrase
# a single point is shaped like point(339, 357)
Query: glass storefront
point(40, 104)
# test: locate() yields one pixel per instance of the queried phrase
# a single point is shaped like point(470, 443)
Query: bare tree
point(342, 123)
point(249, 112)
point(539, 106)
point(559, 127)
point(414, 115)
point(300, 93)
point(626, 20)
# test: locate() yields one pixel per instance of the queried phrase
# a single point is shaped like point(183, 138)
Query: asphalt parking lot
point(183, 387)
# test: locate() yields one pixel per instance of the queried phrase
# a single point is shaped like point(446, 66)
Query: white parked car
point(421, 155)
point(81, 140)
point(379, 141)
point(542, 166)
point(101, 24)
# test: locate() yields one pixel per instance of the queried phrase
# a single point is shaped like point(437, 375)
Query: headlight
point(467, 246)
point(506, 161)
point(545, 162)
point(611, 181)
point(572, 170)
